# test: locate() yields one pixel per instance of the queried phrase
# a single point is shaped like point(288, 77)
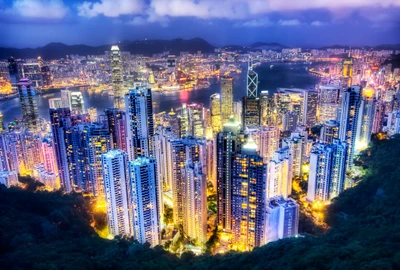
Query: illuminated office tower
point(211, 172)
point(297, 147)
point(328, 102)
point(250, 112)
point(327, 171)
point(27, 98)
point(13, 73)
point(32, 72)
point(77, 103)
point(195, 202)
point(55, 103)
point(329, 131)
point(349, 120)
point(280, 174)
point(140, 126)
point(348, 70)
point(97, 141)
point(282, 218)
point(144, 200)
point(174, 123)
point(289, 121)
point(266, 108)
point(249, 177)
point(310, 104)
point(268, 142)
point(196, 120)
point(46, 76)
point(116, 124)
point(92, 111)
point(228, 143)
point(215, 106)
point(181, 151)
point(237, 110)
point(252, 82)
point(117, 77)
point(184, 122)
point(116, 190)
point(226, 98)
point(366, 120)
point(65, 99)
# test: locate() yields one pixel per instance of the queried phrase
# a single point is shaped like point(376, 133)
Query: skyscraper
point(195, 201)
point(27, 98)
point(349, 120)
point(268, 142)
point(251, 112)
point(249, 177)
point(116, 124)
point(329, 131)
point(328, 102)
point(140, 125)
point(280, 174)
point(215, 106)
point(144, 200)
point(117, 77)
point(226, 98)
point(327, 171)
point(55, 103)
point(228, 143)
point(282, 219)
point(77, 103)
point(310, 104)
point(116, 188)
point(65, 98)
point(366, 120)
point(252, 82)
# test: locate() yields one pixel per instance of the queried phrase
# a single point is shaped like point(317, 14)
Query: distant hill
point(267, 46)
point(145, 47)
point(378, 47)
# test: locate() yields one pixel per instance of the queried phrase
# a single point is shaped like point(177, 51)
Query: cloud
point(289, 22)
point(264, 22)
point(318, 23)
point(111, 8)
point(39, 9)
point(150, 17)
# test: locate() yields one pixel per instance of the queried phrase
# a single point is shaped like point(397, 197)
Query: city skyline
point(241, 22)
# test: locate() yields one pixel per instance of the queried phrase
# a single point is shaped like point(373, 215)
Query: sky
point(312, 23)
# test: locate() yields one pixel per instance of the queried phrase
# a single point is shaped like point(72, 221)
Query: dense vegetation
point(42, 230)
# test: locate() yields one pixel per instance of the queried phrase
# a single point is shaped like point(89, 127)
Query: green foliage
point(168, 215)
point(50, 230)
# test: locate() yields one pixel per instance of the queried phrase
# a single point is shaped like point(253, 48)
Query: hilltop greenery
point(45, 230)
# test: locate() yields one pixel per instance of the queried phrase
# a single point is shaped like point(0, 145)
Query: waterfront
point(280, 75)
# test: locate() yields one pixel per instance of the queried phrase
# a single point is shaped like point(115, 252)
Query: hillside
point(41, 230)
point(145, 47)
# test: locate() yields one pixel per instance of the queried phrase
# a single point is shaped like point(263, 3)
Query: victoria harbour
point(285, 75)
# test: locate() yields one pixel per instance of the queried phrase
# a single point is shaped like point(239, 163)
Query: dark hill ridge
point(145, 47)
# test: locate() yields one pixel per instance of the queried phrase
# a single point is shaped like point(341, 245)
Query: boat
point(271, 66)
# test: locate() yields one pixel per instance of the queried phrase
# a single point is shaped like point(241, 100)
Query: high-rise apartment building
point(27, 99)
point(327, 171)
point(140, 122)
point(268, 142)
point(280, 174)
point(226, 98)
point(117, 77)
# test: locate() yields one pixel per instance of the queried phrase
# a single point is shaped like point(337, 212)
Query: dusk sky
point(33, 23)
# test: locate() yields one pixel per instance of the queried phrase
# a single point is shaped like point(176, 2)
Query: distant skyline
point(311, 23)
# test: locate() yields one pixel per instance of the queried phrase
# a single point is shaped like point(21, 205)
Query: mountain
point(52, 230)
point(267, 46)
point(145, 47)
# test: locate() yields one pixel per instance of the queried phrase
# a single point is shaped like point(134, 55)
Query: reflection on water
point(281, 75)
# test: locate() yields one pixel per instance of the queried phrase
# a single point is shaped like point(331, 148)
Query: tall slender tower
point(140, 123)
point(226, 98)
point(116, 124)
point(349, 121)
point(116, 188)
point(117, 77)
point(252, 82)
point(215, 106)
point(27, 98)
point(249, 177)
point(144, 200)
